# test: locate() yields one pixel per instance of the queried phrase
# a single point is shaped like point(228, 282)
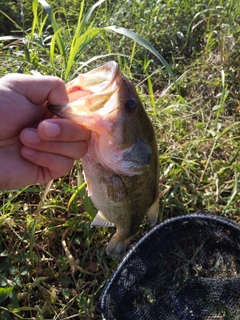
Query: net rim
point(183, 219)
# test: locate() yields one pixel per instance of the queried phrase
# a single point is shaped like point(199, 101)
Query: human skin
point(35, 147)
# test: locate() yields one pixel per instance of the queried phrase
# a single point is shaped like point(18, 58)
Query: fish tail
point(116, 247)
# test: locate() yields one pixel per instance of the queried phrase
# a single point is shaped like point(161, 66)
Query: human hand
point(34, 146)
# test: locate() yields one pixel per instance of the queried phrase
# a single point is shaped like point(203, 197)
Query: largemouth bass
point(121, 165)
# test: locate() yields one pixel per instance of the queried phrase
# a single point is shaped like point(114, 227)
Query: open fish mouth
point(93, 91)
point(106, 102)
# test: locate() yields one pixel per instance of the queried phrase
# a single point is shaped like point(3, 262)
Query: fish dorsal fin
point(152, 213)
point(101, 221)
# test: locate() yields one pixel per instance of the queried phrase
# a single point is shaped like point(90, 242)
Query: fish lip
point(93, 101)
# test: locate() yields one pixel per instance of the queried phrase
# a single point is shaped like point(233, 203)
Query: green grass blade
point(52, 48)
point(234, 191)
point(80, 46)
point(143, 42)
point(55, 27)
point(81, 39)
point(14, 22)
point(88, 15)
point(227, 129)
point(151, 93)
point(83, 22)
point(35, 16)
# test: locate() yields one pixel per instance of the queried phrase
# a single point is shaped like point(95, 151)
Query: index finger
point(38, 89)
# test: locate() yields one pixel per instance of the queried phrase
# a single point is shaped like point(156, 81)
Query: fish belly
point(121, 200)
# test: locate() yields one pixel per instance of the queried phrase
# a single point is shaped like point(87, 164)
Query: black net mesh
point(185, 268)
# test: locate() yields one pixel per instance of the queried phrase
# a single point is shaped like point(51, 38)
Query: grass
point(52, 264)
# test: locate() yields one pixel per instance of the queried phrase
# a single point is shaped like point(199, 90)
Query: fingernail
point(31, 136)
point(29, 152)
point(51, 129)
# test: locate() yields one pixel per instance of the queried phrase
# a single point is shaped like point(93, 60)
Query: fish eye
point(131, 105)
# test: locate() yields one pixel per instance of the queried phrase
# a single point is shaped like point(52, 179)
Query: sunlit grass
point(52, 264)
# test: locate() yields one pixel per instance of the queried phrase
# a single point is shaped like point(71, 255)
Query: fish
point(121, 167)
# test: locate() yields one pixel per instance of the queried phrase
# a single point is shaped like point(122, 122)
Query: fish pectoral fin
point(101, 221)
point(116, 188)
point(152, 213)
point(88, 188)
